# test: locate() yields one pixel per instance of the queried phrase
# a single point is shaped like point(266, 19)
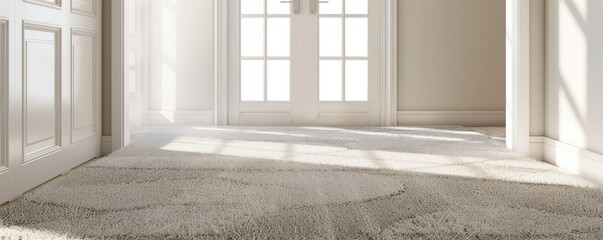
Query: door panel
point(84, 7)
point(53, 109)
point(83, 90)
point(50, 3)
point(331, 75)
point(41, 90)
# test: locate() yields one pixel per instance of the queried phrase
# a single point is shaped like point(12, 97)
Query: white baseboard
point(570, 158)
point(537, 147)
point(178, 118)
point(460, 118)
point(105, 145)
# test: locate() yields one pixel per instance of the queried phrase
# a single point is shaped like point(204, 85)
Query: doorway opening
point(248, 83)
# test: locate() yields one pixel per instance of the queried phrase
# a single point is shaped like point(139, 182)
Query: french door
point(305, 62)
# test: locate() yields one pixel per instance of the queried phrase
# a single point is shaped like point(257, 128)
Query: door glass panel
point(330, 37)
point(278, 7)
point(356, 7)
point(330, 6)
point(330, 84)
point(279, 37)
point(252, 37)
point(279, 80)
point(252, 6)
point(265, 53)
point(343, 45)
point(252, 80)
point(356, 37)
point(356, 80)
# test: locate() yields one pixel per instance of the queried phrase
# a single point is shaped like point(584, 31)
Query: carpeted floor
point(308, 183)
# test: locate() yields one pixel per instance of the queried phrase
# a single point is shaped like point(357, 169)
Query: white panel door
point(7, 166)
point(55, 95)
point(305, 62)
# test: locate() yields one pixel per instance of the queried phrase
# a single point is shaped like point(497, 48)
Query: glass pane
point(356, 80)
point(330, 82)
point(356, 37)
point(330, 6)
point(279, 37)
point(331, 37)
point(252, 80)
point(252, 6)
point(356, 6)
point(252, 37)
point(279, 79)
point(276, 7)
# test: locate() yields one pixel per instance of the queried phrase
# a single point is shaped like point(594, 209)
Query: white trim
point(537, 147)
point(460, 118)
point(118, 93)
point(572, 159)
point(178, 118)
point(518, 76)
point(220, 62)
point(389, 84)
point(106, 146)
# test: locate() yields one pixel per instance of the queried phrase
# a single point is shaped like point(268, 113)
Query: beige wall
point(106, 68)
point(537, 66)
point(451, 55)
point(574, 103)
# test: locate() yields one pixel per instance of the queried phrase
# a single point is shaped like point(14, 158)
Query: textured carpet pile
point(309, 183)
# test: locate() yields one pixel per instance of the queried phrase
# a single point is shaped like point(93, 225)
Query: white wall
point(574, 103)
point(451, 62)
point(180, 85)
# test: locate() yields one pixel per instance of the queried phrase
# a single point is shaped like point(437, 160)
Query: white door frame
point(517, 67)
point(518, 76)
point(389, 64)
